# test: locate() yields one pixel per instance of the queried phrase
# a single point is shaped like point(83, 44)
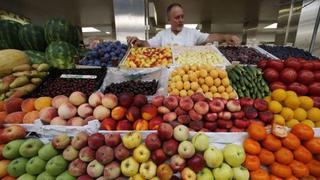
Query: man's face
point(176, 18)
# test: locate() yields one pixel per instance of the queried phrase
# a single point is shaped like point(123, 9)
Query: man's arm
point(227, 38)
point(134, 41)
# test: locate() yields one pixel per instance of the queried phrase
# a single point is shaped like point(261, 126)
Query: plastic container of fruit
point(124, 62)
point(118, 75)
point(209, 51)
point(262, 51)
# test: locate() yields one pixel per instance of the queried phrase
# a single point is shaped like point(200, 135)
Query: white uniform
point(187, 37)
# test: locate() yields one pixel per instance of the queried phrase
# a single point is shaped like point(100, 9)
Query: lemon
point(292, 122)
point(300, 114)
point(175, 92)
point(292, 102)
point(214, 73)
point(222, 73)
point(291, 93)
point(213, 89)
point(185, 78)
point(205, 88)
point(203, 73)
point(225, 82)
point(217, 82)
point(287, 113)
point(275, 106)
point(221, 89)
point(309, 123)
point(278, 119)
point(179, 85)
point(209, 81)
point(194, 86)
point(229, 89)
point(279, 95)
point(186, 85)
point(201, 81)
point(306, 102)
point(199, 90)
point(314, 114)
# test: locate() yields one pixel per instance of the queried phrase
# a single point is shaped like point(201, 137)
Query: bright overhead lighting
point(193, 26)
point(272, 26)
point(107, 32)
point(89, 29)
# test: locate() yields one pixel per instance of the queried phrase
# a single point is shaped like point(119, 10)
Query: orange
point(259, 174)
point(292, 102)
point(275, 106)
point(300, 114)
point(266, 157)
point(302, 154)
point(313, 145)
point(299, 169)
point(252, 162)
point(302, 131)
point(257, 131)
point(280, 170)
point(314, 114)
point(314, 168)
point(273, 177)
point(306, 102)
point(271, 142)
point(291, 141)
point(278, 95)
point(251, 146)
point(283, 156)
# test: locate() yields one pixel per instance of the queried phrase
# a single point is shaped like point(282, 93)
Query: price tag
point(78, 76)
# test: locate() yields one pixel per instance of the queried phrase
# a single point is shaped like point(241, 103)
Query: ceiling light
point(271, 26)
point(192, 26)
point(89, 29)
point(108, 32)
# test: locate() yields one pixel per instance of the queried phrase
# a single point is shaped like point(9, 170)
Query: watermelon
point(8, 34)
point(61, 30)
point(36, 57)
point(62, 55)
point(32, 37)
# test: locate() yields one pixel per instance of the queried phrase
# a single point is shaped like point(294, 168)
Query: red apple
point(246, 102)
point(277, 85)
point(104, 154)
point(306, 77)
point(155, 123)
point(275, 64)
point(139, 100)
point(270, 75)
point(112, 140)
point(133, 113)
point(121, 152)
point(96, 140)
point(165, 131)
point(196, 162)
point(170, 147)
point(260, 104)
point(177, 163)
point(237, 115)
point(11, 133)
point(153, 142)
point(300, 89)
point(288, 75)
point(158, 156)
point(314, 89)
point(80, 140)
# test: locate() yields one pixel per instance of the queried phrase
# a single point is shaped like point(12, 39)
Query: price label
point(78, 76)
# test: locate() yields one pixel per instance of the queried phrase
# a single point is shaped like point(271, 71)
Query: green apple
point(213, 157)
point(65, 176)
point(30, 147)
point(200, 141)
point(223, 172)
point(47, 152)
point(234, 154)
point(240, 173)
point(141, 153)
point(205, 174)
point(45, 176)
point(56, 165)
point(11, 150)
point(27, 177)
point(17, 167)
point(35, 165)
point(131, 140)
point(129, 167)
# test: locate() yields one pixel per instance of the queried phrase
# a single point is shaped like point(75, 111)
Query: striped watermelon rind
point(8, 34)
point(57, 29)
point(32, 37)
point(62, 55)
point(36, 57)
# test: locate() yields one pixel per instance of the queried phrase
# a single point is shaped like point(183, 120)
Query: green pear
point(240, 173)
point(205, 174)
point(11, 150)
point(47, 152)
point(234, 154)
point(17, 167)
point(45, 176)
point(30, 147)
point(27, 177)
point(200, 141)
point(35, 165)
point(65, 176)
point(223, 172)
point(56, 165)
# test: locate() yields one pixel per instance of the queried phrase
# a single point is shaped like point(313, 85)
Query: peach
point(124, 125)
point(90, 118)
point(30, 117)
point(108, 124)
point(140, 125)
point(109, 101)
point(77, 98)
point(58, 100)
point(95, 99)
point(184, 119)
point(171, 116)
point(12, 105)
point(133, 113)
point(42, 102)
point(170, 102)
point(201, 107)
point(125, 99)
point(15, 117)
point(180, 111)
point(85, 110)
point(101, 112)
point(118, 113)
point(149, 111)
point(157, 101)
point(3, 115)
point(163, 110)
point(67, 110)
point(140, 100)
point(1, 105)
point(28, 105)
point(47, 114)
point(76, 121)
point(198, 96)
point(194, 115)
point(155, 123)
point(58, 121)
point(186, 103)
point(196, 125)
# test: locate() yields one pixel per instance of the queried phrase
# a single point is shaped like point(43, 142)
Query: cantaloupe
point(10, 58)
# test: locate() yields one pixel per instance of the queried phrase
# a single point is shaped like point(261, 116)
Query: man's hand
point(132, 40)
point(232, 40)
